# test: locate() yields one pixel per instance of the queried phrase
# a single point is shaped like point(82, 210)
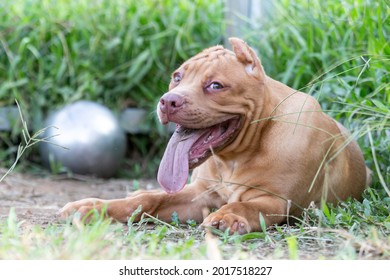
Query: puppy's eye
point(215, 86)
point(176, 78)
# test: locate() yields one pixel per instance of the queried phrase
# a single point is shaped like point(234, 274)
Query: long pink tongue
point(174, 167)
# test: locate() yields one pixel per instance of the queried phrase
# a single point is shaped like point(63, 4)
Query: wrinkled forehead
point(207, 56)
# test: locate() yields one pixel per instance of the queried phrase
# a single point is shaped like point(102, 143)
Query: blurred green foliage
point(119, 53)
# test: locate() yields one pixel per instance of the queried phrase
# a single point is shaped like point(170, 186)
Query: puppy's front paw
point(233, 222)
point(82, 208)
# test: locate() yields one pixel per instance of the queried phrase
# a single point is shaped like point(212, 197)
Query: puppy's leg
point(244, 217)
point(158, 204)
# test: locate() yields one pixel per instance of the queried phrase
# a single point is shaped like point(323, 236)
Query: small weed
point(292, 245)
point(28, 141)
point(191, 223)
point(175, 219)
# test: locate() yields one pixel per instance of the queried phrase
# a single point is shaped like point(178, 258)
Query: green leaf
point(380, 105)
point(325, 209)
point(252, 235)
point(292, 245)
point(175, 219)
point(262, 223)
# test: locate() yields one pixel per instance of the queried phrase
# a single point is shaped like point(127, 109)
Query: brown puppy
point(258, 147)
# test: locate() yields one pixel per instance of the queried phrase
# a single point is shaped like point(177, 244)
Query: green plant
point(28, 141)
point(118, 53)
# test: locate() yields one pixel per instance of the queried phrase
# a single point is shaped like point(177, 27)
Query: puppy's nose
point(170, 103)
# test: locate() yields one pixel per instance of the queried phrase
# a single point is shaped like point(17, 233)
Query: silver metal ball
point(94, 141)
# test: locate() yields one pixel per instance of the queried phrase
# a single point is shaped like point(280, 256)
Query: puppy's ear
point(248, 57)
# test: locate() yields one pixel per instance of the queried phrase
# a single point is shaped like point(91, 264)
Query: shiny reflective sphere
point(94, 141)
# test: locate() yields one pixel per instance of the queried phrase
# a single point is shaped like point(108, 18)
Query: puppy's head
point(210, 96)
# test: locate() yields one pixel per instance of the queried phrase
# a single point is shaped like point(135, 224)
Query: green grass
point(118, 53)
point(353, 230)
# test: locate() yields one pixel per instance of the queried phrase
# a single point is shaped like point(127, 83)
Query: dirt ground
point(37, 200)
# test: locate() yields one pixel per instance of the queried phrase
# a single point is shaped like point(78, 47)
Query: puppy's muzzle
point(170, 103)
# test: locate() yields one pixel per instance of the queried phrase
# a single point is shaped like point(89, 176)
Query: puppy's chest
point(229, 179)
point(230, 192)
point(231, 182)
